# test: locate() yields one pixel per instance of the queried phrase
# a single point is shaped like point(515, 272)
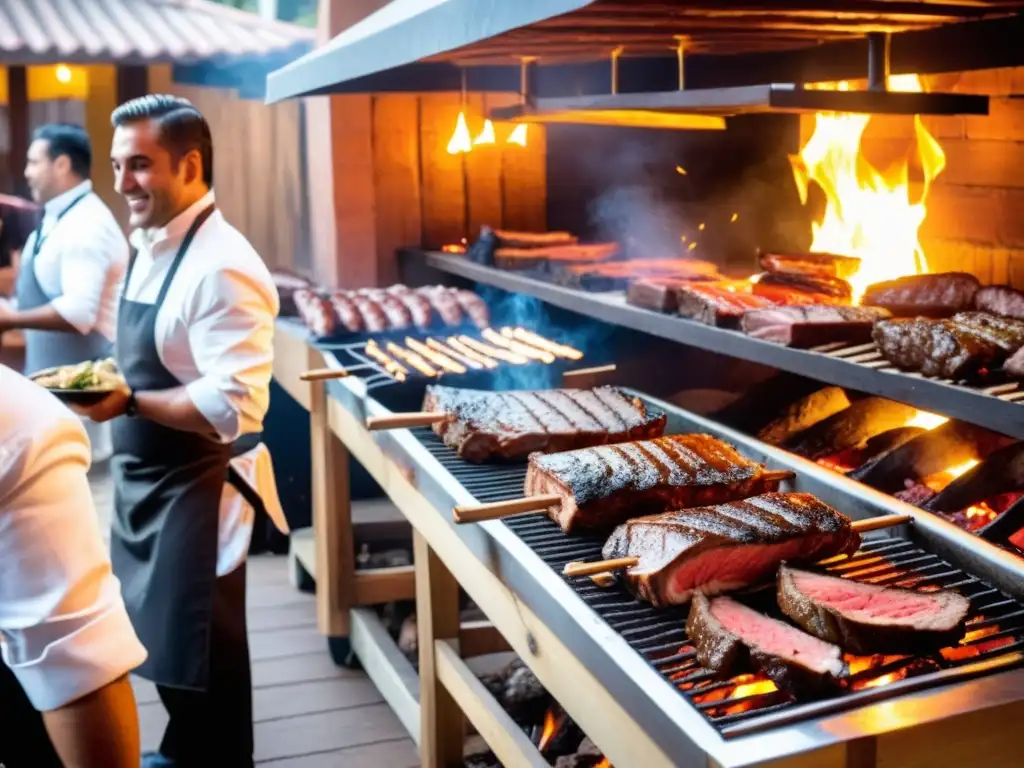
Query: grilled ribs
point(482, 426)
point(940, 348)
point(710, 550)
point(809, 325)
point(835, 287)
point(1007, 333)
point(868, 618)
point(936, 295)
point(730, 638)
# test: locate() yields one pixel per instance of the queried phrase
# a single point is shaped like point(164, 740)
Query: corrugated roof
point(139, 31)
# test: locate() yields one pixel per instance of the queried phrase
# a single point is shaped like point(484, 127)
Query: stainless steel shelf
point(998, 407)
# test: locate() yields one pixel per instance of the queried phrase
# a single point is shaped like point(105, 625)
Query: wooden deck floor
point(308, 712)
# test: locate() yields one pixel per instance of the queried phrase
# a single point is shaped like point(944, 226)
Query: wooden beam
point(385, 585)
point(479, 638)
point(103, 98)
point(437, 618)
point(388, 668)
point(18, 127)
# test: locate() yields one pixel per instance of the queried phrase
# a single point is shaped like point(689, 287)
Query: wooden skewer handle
point(886, 521)
point(323, 374)
point(773, 475)
point(403, 420)
point(500, 509)
point(597, 369)
point(601, 566)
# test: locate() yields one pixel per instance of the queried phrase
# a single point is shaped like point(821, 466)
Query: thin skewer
point(604, 566)
point(479, 512)
point(499, 509)
point(404, 420)
point(323, 374)
point(596, 370)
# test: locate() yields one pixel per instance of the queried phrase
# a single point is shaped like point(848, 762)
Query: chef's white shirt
point(215, 334)
point(64, 630)
point(81, 262)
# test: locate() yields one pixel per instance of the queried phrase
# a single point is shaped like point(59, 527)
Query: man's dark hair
point(67, 139)
point(182, 127)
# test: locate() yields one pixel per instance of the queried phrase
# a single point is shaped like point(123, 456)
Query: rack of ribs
point(722, 548)
point(603, 486)
point(482, 426)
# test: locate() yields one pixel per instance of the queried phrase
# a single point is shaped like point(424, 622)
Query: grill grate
point(748, 703)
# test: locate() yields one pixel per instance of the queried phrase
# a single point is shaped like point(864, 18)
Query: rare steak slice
point(868, 618)
point(813, 324)
point(729, 546)
point(731, 638)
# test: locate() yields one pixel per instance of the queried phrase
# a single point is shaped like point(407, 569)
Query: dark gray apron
point(168, 487)
point(46, 349)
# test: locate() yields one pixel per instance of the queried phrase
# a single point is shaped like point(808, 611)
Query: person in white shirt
point(71, 264)
point(66, 639)
point(195, 345)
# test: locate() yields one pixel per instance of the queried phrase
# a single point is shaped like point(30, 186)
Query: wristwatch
point(131, 408)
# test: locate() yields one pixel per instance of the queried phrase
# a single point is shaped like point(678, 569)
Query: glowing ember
point(460, 141)
point(757, 688)
point(926, 420)
point(868, 213)
point(680, 170)
point(604, 763)
point(453, 248)
point(552, 723)
point(486, 134)
point(518, 135)
point(940, 480)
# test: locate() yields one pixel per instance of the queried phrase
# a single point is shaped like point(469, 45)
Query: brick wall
point(975, 220)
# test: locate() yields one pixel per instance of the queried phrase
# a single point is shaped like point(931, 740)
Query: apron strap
point(182, 250)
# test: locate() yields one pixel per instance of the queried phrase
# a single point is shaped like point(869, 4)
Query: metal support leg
point(879, 50)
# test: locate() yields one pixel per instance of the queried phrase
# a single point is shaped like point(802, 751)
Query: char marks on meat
point(828, 286)
point(475, 307)
point(316, 312)
point(375, 319)
point(603, 486)
point(1007, 333)
point(932, 295)
point(419, 307)
point(809, 325)
point(721, 303)
point(867, 618)
point(731, 638)
point(1000, 300)
point(484, 426)
point(935, 347)
point(716, 549)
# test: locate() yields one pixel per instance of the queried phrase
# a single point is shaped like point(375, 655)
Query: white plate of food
point(82, 383)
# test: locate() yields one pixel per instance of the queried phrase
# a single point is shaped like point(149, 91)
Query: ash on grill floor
point(747, 703)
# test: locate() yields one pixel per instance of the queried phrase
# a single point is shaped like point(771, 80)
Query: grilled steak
point(938, 295)
point(731, 638)
point(934, 347)
point(603, 486)
point(817, 264)
point(804, 413)
point(1007, 333)
point(719, 303)
point(657, 293)
point(850, 428)
point(316, 312)
point(710, 550)
point(829, 286)
point(483, 426)
point(787, 295)
point(809, 325)
point(1014, 364)
point(1000, 300)
point(868, 618)
point(513, 239)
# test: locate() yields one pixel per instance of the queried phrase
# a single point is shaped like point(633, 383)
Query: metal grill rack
point(995, 638)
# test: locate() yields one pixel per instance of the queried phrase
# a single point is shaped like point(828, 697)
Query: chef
point(195, 344)
point(71, 264)
point(66, 640)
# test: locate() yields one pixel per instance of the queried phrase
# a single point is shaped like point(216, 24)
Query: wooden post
point(437, 618)
point(102, 100)
point(332, 520)
point(18, 122)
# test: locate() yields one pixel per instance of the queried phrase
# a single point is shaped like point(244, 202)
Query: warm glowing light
point(926, 420)
point(734, 217)
point(959, 469)
point(680, 170)
point(63, 73)
point(604, 763)
point(552, 723)
point(486, 134)
point(691, 246)
point(757, 688)
point(701, 226)
point(460, 141)
point(518, 135)
point(869, 213)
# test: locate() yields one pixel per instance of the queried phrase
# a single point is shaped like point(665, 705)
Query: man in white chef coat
point(66, 639)
point(71, 264)
point(195, 344)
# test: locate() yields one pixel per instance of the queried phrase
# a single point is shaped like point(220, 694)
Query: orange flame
point(518, 135)
point(460, 141)
point(486, 134)
point(604, 763)
point(552, 723)
point(868, 213)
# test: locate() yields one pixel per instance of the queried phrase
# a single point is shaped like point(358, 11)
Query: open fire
point(462, 141)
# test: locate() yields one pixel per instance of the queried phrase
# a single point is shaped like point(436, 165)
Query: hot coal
point(849, 428)
point(1001, 472)
point(804, 413)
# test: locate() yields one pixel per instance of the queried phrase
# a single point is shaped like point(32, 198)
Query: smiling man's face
point(148, 176)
